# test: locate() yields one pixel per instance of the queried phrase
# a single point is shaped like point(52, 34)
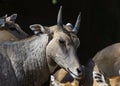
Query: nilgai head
point(62, 47)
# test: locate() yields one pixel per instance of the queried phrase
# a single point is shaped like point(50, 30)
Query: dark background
point(100, 23)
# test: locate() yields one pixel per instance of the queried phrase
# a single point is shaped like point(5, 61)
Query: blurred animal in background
point(108, 62)
point(9, 30)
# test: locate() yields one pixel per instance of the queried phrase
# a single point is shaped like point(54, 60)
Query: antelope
point(108, 61)
point(30, 61)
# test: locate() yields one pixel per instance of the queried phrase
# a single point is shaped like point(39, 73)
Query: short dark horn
point(77, 24)
point(59, 17)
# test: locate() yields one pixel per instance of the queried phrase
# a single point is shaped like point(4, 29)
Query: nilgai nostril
point(79, 71)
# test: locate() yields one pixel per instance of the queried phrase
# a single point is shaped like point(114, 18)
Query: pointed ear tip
point(15, 15)
point(33, 25)
point(38, 25)
point(6, 15)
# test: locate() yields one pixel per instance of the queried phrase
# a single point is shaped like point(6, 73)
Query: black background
point(100, 23)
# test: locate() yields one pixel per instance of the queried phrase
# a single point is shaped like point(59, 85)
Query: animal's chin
point(74, 75)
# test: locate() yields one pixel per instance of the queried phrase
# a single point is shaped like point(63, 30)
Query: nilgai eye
point(61, 41)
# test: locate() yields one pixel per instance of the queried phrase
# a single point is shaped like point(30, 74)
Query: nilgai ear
point(70, 25)
point(3, 21)
point(37, 28)
point(11, 18)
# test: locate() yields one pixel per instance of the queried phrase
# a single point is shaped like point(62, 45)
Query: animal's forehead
point(65, 28)
point(69, 29)
point(69, 38)
point(62, 34)
point(66, 32)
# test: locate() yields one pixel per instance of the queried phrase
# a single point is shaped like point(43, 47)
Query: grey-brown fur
point(9, 34)
point(26, 62)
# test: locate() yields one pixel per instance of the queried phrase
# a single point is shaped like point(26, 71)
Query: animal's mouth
point(74, 75)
